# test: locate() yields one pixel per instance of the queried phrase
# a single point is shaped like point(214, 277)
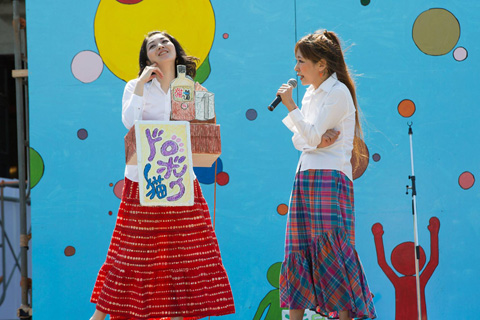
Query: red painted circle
point(69, 251)
point(118, 189)
point(129, 1)
point(466, 180)
point(403, 258)
point(223, 178)
point(225, 36)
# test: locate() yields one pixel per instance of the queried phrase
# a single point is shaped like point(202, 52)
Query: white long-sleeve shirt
point(330, 106)
point(155, 104)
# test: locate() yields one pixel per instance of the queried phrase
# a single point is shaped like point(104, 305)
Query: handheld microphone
point(274, 104)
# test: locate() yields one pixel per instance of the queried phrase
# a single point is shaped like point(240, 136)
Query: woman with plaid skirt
point(321, 268)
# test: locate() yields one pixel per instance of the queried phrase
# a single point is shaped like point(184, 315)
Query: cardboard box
point(206, 144)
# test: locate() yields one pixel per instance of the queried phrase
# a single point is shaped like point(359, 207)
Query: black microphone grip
point(275, 103)
point(278, 99)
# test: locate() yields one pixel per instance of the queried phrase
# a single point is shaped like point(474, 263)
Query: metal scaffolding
point(6, 242)
point(24, 311)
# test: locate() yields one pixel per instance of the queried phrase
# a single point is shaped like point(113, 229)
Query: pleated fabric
point(321, 269)
point(162, 262)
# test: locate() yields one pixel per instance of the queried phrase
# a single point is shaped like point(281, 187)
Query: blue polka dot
point(82, 134)
point(207, 175)
point(251, 114)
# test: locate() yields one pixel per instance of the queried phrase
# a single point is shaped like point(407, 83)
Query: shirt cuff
point(295, 116)
point(287, 121)
point(137, 103)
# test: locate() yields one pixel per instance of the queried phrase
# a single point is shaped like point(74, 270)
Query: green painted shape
point(203, 71)
point(273, 274)
point(270, 304)
point(37, 167)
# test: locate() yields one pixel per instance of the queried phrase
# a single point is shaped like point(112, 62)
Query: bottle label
point(183, 94)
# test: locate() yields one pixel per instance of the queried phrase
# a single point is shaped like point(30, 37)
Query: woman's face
point(160, 49)
point(308, 71)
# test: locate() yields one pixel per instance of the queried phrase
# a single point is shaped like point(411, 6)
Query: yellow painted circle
point(120, 29)
point(436, 31)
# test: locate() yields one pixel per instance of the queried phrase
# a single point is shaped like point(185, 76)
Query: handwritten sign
point(164, 158)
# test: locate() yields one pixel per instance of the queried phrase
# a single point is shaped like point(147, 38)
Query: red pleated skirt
point(162, 262)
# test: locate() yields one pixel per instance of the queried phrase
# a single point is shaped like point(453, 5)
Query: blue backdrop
point(421, 51)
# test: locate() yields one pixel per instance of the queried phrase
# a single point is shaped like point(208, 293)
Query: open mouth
point(162, 52)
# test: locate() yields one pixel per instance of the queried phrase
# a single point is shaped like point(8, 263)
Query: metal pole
point(23, 41)
point(21, 160)
point(2, 245)
point(415, 229)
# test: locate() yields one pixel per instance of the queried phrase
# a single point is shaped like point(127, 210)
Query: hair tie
point(328, 35)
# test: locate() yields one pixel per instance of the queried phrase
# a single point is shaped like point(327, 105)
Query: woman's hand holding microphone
point(285, 92)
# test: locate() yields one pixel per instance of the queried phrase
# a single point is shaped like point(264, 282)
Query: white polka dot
point(460, 54)
point(87, 66)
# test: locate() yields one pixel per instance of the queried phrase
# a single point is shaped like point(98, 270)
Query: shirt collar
point(158, 85)
point(326, 85)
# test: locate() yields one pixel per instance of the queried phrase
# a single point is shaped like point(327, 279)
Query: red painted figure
point(403, 260)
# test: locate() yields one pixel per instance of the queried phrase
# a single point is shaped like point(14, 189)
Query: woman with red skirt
point(163, 262)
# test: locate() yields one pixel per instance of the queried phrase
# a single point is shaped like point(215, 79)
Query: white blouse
point(155, 104)
point(330, 106)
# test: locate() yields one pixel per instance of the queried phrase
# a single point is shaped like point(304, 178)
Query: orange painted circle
point(282, 209)
point(360, 158)
point(406, 108)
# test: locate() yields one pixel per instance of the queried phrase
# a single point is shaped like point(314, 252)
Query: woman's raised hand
point(285, 92)
point(328, 138)
point(150, 72)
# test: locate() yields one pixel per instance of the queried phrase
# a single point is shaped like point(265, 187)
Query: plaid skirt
point(321, 269)
point(162, 262)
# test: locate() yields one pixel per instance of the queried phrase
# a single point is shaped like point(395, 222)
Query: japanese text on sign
point(182, 94)
point(164, 163)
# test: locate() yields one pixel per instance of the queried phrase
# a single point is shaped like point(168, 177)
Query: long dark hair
point(182, 58)
point(325, 44)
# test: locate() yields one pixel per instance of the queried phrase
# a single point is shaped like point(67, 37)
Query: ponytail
point(325, 44)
